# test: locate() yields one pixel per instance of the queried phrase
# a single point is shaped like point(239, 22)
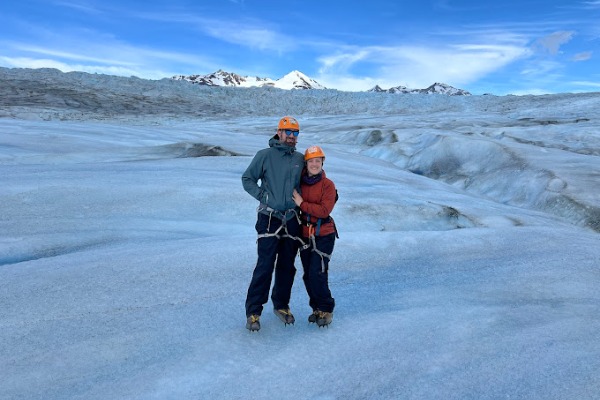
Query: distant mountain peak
point(376, 89)
point(445, 89)
point(297, 80)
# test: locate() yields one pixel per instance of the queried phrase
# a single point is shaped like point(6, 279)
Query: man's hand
point(297, 198)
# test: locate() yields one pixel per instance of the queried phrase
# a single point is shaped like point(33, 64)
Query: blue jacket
point(278, 168)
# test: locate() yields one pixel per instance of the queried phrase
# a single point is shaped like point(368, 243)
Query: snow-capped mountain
point(397, 89)
point(442, 88)
point(297, 80)
point(436, 88)
point(293, 80)
point(222, 78)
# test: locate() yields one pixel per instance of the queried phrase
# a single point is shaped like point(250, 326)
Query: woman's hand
point(297, 198)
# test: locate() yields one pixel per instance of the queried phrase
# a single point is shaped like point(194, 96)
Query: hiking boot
point(285, 315)
point(312, 318)
point(324, 318)
point(253, 323)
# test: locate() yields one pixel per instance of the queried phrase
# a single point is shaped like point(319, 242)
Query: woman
point(316, 203)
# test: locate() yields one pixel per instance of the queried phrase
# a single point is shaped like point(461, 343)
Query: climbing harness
point(312, 234)
point(283, 217)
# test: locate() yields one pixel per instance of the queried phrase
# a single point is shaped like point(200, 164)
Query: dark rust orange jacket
point(318, 202)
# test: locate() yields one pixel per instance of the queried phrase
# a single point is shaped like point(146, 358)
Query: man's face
point(288, 137)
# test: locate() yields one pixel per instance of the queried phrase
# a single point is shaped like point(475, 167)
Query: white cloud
point(79, 6)
point(348, 82)
point(416, 67)
point(584, 56)
point(84, 52)
point(586, 83)
point(551, 43)
point(343, 61)
point(25, 62)
point(46, 51)
point(542, 68)
point(249, 36)
point(250, 33)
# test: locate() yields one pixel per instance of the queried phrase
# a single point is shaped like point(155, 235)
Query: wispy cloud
point(344, 61)
point(587, 84)
point(551, 43)
point(543, 68)
point(417, 66)
point(80, 6)
point(84, 51)
point(584, 56)
point(592, 4)
point(65, 55)
point(25, 62)
point(249, 33)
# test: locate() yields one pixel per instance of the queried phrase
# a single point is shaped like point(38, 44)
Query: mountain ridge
point(298, 80)
point(435, 88)
point(293, 80)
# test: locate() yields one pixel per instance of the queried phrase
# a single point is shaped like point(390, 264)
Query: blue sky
point(504, 47)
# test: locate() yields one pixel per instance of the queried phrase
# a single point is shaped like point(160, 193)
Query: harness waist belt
point(323, 221)
point(276, 213)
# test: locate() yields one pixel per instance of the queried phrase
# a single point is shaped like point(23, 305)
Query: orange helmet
point(288, 123)
point(313, 152)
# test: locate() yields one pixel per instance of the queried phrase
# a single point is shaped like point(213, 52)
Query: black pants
point(316, 278)
point(273, 254)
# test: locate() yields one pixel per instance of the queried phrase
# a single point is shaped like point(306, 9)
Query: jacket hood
point(275, 143)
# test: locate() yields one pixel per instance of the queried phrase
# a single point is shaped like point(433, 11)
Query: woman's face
point(314, 166)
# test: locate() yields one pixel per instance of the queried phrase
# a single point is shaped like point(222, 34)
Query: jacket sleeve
point(252, 175)
point(324, 207)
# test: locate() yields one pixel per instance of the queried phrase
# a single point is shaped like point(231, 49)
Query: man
point(278, 168)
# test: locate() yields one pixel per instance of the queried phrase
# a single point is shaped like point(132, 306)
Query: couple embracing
point(296, 199)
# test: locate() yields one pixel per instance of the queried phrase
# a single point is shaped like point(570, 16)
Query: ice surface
point(468, 263)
